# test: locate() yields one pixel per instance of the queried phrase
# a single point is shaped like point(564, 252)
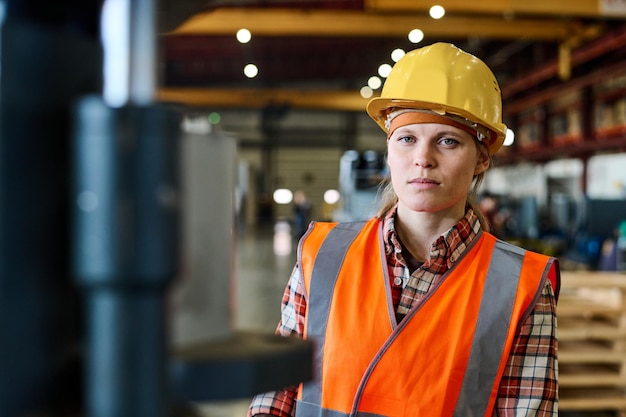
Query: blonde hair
point(387, 197)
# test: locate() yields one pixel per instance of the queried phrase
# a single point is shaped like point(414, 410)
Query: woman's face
point(432, 166)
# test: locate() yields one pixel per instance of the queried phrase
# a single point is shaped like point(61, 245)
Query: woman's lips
point(424, 183)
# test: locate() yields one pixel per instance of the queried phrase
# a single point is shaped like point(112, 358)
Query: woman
point(420, 311)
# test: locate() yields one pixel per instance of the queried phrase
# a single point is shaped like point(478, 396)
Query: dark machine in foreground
point(89, 231)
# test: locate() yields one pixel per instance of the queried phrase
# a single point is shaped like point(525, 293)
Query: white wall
point(517, 181)
point(201, 301)
point(606, 176)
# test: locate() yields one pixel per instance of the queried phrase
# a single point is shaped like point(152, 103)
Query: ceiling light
point(366, 92)
point(384, 70)
point(397, 54)
point(282, 196)
point(244, 35)
point(416, 36)
point(331, 196)
point(374, 82)
point(437, 11)
point(250, 70)
point(509, 138)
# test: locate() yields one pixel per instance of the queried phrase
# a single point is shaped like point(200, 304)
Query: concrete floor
point(262, 274)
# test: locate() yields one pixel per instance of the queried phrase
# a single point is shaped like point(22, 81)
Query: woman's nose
point(423, 155)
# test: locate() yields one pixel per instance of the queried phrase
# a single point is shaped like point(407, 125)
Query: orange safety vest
point(447, 355)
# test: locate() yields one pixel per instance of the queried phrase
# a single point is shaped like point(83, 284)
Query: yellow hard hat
point(444, 79)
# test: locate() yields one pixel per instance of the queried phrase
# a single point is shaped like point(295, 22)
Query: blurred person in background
point(302, 210)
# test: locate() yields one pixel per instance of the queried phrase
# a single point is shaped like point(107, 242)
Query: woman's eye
point(448, 141)
point(406, 139)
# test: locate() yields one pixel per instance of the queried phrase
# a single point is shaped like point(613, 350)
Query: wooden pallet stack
point(592, 341)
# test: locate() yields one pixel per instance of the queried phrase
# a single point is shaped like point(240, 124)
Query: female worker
point(420, 311)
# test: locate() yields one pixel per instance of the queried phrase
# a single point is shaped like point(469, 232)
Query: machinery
point(360, 175)
point(90, 186)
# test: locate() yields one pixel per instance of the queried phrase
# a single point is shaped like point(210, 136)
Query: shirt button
point(397, 281)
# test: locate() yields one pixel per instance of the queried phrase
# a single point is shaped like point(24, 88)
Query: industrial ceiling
point(317, 54)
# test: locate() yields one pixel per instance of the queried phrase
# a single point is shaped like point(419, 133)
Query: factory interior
point(160, 161)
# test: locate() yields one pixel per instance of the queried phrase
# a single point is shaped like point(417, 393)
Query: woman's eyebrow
point(443, 131)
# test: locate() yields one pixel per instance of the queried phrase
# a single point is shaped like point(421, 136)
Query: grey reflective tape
point(304, 409)
point(312, 410)
point(492, 327)
point(362, 414)
point(383, 256)
point(324, 276)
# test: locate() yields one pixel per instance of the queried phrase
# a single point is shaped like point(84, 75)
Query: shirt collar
point(449, 245)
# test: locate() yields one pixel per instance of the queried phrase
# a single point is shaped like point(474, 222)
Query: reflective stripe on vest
point(327, 265)
point(485, 353)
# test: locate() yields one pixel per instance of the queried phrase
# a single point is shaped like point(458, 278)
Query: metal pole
point(129, 41)
point(126, 252)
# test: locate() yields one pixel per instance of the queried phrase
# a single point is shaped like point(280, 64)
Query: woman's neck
point(418, 230)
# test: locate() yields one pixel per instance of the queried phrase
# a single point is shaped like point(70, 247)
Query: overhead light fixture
point(437, 11)
point(384, 70)
point(416, 36)
point(244, 35)
point(331, 196)
point(250, 70)
point(282, 196)
point(509, 138)
point(374, 82)
point(397, 54)
point(366, 92)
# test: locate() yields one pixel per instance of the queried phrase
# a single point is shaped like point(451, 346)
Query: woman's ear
point(483, 161)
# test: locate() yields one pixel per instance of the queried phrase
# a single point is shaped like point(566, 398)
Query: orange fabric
point(438, 347)
point(420, 372)
point(413, 117)
point(357, 313)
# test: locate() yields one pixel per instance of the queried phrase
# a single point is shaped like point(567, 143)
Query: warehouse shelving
point(592, 341)
point(576, 118)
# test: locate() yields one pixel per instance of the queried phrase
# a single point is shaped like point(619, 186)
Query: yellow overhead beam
point(343, 23)
point(578, 8)
point(258, 99)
